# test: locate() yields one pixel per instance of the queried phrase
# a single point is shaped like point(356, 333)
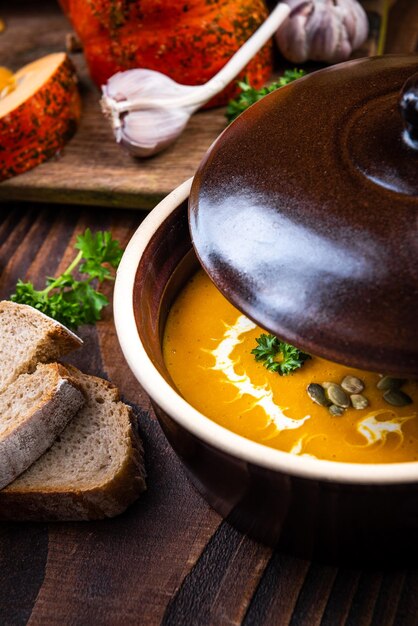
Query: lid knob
point(409, 108)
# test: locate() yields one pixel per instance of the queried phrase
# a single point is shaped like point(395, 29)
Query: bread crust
point(53, 341)
point(101, 501)
point(23, 443)
point(57, 332)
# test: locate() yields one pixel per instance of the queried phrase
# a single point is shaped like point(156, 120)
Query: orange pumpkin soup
point(207, 350)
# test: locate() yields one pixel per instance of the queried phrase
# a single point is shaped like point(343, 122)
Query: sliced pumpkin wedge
point(39, 111)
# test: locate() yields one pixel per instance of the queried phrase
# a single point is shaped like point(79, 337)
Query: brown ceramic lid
point(304, 213)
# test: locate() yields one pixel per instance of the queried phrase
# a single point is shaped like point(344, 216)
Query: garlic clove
point(147, 132)
point(291, 36)
point(323, 34)
point(356, 23)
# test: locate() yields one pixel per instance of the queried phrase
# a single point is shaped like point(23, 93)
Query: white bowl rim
point(194, 421)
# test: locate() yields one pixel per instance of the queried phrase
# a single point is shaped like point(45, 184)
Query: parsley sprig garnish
point(249, 95)
point(76, 301)
point(278, 356)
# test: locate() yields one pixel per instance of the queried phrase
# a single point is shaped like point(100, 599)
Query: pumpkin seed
point(387, 382)
point(396, 397)
point(352, 384)
point(358, 401)
point(336, 395)
point(317, 394)
point(336, 411)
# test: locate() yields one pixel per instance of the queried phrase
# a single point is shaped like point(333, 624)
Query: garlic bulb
point(149, 110)
point(322, 30)
point(144, 131)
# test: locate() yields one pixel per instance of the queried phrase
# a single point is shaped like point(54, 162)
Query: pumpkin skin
point(39, 126)
point(188, 40)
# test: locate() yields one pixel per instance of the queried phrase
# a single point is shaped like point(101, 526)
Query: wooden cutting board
point(93, 169)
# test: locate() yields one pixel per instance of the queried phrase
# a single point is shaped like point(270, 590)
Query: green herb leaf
point(71, 301)
point(278, 356)
point(98, 249)
point(249, 95)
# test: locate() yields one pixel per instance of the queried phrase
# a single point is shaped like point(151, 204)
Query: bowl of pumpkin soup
point(317, 473)
point(269, 308)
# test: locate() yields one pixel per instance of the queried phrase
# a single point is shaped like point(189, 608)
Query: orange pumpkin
point(189, 40)
point(38, 115)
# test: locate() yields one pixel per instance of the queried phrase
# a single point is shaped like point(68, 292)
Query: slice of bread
point(33, 412)
point(94, 469)
point(28, 337)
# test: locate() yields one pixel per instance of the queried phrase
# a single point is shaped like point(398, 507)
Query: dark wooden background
point(170, 559)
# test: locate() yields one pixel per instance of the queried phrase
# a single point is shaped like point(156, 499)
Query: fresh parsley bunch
point(268, 350)
point(70, 300)
point(249, 95)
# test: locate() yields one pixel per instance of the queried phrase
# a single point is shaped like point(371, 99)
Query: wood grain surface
point(92, 169)
point(169, 559)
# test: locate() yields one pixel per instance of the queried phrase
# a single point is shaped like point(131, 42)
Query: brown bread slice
point(94, 470)
point(28, 337)
point(33, 412)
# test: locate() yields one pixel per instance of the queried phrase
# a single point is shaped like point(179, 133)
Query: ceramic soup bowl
point(313, 508)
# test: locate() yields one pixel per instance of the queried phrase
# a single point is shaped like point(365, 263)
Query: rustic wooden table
point(170, 559)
